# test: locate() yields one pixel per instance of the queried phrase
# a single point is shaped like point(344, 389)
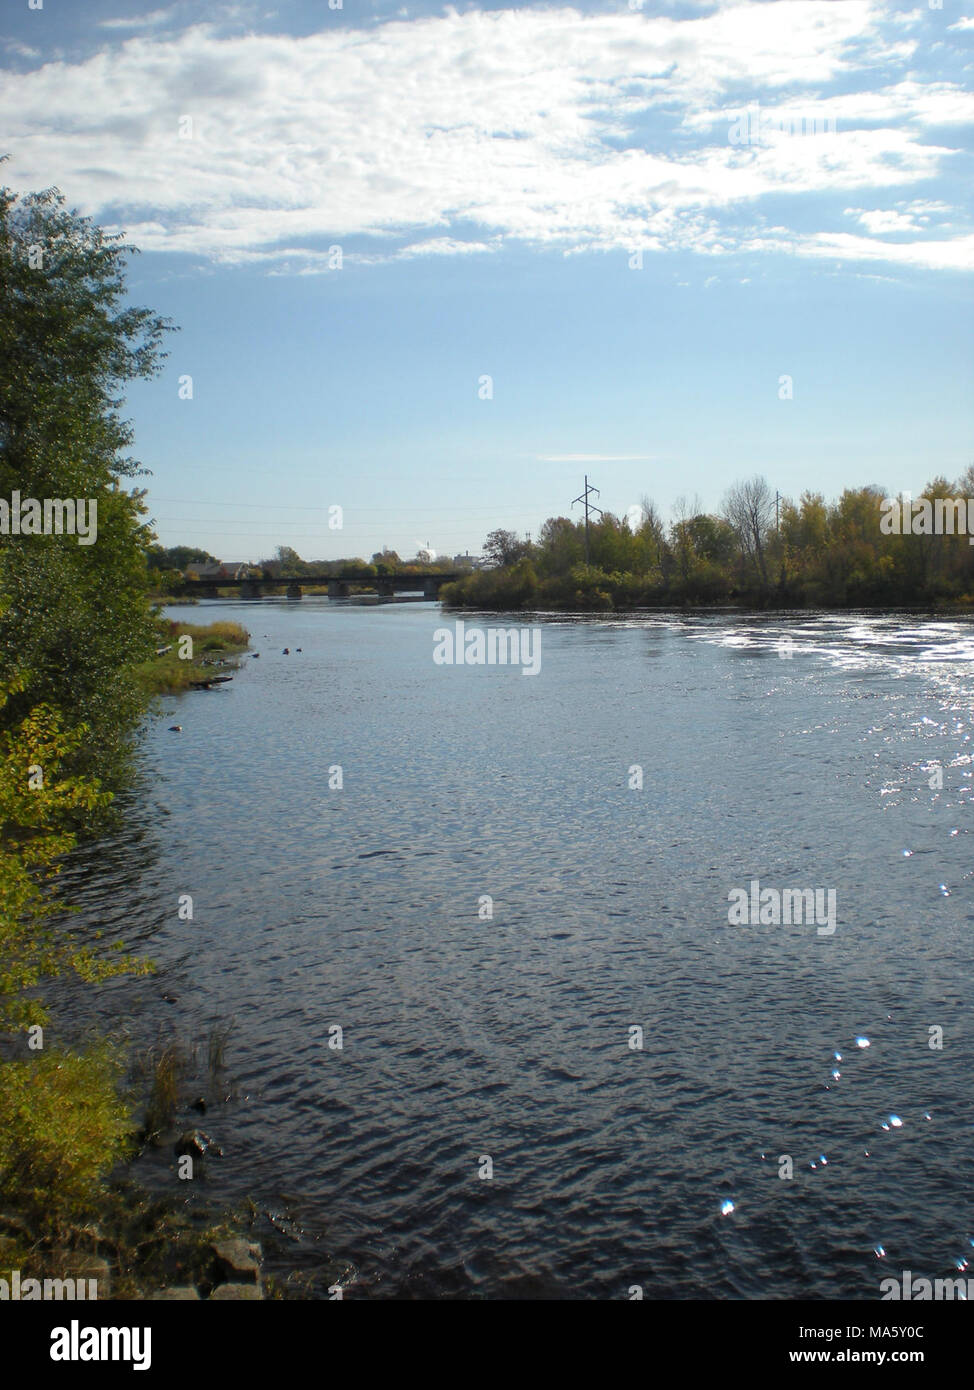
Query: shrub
point(63, 1126)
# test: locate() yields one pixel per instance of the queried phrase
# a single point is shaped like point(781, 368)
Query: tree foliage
point(64, 1124)
point(41, 805)
point(74, 620)
point(814, 553)
point(75, 617)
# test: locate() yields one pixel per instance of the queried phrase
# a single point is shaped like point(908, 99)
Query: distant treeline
point(168, 564)
point(853, 552)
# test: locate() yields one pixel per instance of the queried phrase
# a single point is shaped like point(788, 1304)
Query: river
point(490, 908)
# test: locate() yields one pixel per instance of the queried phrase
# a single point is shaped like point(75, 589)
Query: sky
point(432, 265)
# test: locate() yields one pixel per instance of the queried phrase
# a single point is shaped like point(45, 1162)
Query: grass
point(171, 1071)
point(172, 672)
point(166, 1066)
point(217, 1046)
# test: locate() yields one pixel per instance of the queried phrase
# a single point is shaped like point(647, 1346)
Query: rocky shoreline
point(159, 1255)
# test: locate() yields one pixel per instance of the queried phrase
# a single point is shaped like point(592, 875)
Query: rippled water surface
point(799, 752)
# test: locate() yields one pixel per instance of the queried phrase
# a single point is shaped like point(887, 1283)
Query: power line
point(289, 506)
point(588, 507)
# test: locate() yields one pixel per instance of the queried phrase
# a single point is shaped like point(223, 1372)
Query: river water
point(490, 907)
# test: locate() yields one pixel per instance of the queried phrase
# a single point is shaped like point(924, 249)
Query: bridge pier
point(337, 588)
point(250, 590)
point(294, 591)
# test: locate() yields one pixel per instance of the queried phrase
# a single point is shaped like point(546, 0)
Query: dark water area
point(801, 752)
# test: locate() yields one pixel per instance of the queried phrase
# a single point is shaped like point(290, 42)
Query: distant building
point(468, 562)
point(222, 569)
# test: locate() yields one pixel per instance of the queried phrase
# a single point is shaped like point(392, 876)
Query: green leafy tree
point(41, 804)
point(76, 617)
point(288, 563)
point(177, 557)
point(504, 548)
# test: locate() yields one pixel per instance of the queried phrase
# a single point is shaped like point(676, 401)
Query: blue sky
point(488, 173)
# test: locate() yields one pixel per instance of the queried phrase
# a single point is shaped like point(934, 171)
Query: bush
point(63, 1127)
point(501, 589)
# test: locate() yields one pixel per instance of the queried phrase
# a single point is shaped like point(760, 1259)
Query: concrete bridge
point(339, 586)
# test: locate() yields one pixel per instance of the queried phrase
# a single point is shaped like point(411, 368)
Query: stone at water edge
point(237, 1261)
point(197, 1144)
point(224, 1293)
point(180, 1293)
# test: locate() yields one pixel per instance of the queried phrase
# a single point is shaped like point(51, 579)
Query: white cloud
point(143, 21)
point(454, 134)
point(908, 18)
point(443, 246)
point(21, 50)
point(955, 254)
point(909, 219)
point(879, 222)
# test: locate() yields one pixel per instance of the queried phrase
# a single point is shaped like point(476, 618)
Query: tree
point(288, 563)
point(73, 621)
point(40, 806)
point(681, 536)
point(386, 561)
point(504, 548)
point(560, 544)
point(748, 507)
point(177, 557)
point(652, 533)
point(74, 618)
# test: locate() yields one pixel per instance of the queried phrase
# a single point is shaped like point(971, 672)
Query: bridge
point(339, 586)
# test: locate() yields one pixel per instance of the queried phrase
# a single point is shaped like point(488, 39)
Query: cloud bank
point(547, 128)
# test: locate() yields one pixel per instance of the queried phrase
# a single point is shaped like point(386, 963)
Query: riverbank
point(190, 654)
point(136, 1246)
point(74, 1211)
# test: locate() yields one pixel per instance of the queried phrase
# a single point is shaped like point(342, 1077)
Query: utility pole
point(589, 507)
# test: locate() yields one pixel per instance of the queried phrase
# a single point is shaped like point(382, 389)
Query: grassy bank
point(191, 652)
point(70, 1127)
